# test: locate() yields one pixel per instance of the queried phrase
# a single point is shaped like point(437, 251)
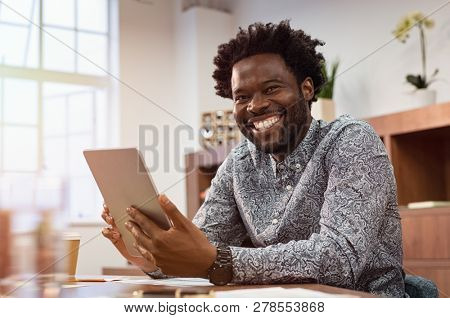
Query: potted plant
point(422, 95)
point(324, 108)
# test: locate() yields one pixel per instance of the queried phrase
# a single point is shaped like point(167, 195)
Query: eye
point(240, 98)
point(271, 89)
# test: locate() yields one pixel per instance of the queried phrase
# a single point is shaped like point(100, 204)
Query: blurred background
point(80, 74)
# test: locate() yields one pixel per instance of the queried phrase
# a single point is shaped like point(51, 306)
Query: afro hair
point(297, 49)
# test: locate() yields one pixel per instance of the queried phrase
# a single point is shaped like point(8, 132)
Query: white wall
point(213, 28)
point(353, 30)
point(146, 70)
point(147, 55)
point(198, 33)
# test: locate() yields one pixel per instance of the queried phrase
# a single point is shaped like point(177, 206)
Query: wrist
point(221, 271)
point(210, 258)
point(148, 268)
point(143, 264)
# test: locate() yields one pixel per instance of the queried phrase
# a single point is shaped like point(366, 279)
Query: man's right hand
point(112, 233)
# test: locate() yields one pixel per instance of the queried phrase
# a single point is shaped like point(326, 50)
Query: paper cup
point(71, 247)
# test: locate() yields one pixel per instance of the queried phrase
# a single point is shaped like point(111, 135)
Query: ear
point(307, 88)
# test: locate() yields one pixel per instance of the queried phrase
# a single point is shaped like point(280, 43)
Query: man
point(317, 200)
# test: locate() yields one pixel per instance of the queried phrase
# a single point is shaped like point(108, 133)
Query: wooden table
point(116, 289)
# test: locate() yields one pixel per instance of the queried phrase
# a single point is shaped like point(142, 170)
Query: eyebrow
point(238, 90)
point(272, 80)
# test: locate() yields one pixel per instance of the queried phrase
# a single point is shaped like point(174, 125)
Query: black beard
point(290, 132)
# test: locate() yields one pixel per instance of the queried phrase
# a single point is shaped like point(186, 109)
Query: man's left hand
point(182, 251)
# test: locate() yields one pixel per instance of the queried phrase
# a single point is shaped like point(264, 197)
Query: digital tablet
point(124, 181)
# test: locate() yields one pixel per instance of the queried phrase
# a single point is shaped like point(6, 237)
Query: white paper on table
point(73, 286)
point(174, 282)
point(113, 278)
point(106, 278)
point(275, 292)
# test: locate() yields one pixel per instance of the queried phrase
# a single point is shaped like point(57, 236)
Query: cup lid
point(71, 236)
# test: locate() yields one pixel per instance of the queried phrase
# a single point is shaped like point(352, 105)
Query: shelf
point(419, 119)
point(418, 144)
point(405, 212)
point(211, 157)
point(201, 167)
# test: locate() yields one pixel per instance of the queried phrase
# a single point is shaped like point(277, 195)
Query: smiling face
point(271, 109)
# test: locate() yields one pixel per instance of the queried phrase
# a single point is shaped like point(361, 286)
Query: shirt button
point(289, 187)
point(297, 166)
point(280, 166)
point(274, 221)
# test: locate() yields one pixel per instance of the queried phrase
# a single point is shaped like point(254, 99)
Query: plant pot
point(423, 97)
point(323, 109)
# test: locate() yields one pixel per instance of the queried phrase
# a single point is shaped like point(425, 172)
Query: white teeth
point(266, 123)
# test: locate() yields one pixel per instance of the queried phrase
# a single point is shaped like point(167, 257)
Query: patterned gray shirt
point(327, 213)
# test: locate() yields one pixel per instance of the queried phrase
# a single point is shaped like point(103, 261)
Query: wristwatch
point(221, 271)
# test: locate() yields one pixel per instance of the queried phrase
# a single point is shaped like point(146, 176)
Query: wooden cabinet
point(418, 144)
point(201, 168)
point(426, 245)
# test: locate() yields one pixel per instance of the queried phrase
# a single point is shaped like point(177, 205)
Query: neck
point(280, 156)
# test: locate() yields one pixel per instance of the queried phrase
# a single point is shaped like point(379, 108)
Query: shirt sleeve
point(219, 217)
point(359, 184)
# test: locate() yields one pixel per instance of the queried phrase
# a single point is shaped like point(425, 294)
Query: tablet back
point(123, 180)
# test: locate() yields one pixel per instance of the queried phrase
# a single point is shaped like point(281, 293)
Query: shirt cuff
point(239, 267)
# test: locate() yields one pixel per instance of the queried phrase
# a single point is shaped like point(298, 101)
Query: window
point(54, 102)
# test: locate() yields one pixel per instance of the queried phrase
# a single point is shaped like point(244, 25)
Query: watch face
point(221, 275)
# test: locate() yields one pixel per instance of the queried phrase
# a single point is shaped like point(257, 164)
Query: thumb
point(172, 211)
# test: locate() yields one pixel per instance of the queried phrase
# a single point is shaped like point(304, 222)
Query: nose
point(258, 104)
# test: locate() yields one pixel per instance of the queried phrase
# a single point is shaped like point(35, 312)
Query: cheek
point(293, 99)
point(235, 113)
point(297, 113)
point(239, 113)
point(289, 100)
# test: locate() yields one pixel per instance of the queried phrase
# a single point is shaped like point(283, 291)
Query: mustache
point(277, 109)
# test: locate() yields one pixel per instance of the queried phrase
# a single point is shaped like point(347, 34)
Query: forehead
point(260, 68)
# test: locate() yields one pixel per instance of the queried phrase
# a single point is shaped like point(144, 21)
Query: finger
point(115, 238)
point(140, 237)
point(177, 218)
point(143, 221)
point(108, 218)
point(144, 252)
point(111, 234)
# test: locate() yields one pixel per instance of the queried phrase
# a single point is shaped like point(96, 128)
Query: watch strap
point(221, 271)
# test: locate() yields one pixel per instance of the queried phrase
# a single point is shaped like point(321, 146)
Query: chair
point(420, 287)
